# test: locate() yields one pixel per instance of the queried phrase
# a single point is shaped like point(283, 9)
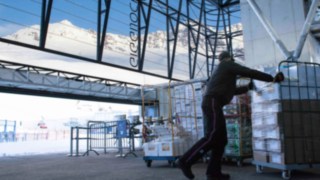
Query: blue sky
point(16, 14)
point(23, 13)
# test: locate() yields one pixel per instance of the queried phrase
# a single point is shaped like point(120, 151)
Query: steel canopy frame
point(101, 35)
point(213, 23)
point(25, 79)
point(45, 19)
point(172, 31)
point(193, 40)
point(196, 28)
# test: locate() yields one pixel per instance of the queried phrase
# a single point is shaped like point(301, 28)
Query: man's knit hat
point(223, 55)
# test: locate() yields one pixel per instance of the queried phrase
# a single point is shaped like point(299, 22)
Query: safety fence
point(34, 135)
point(7, 131)
point(102, 136)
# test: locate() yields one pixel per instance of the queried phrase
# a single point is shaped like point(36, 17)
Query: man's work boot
point(186, 169)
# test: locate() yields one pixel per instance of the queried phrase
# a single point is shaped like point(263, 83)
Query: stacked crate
point(237, 114)
point(186, 100)
point(285, 118)
point(184, 124)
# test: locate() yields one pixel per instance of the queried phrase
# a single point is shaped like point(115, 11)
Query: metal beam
point(25, 79)
point(101, 36)
point(45, 19)
point(197, 42)
point(305, 29)
point(14, 90)
point(146, 18)
point(175, 31)
point(176, 15)
point(80, 58)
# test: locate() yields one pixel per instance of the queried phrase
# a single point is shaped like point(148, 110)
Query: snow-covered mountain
point(65, 37)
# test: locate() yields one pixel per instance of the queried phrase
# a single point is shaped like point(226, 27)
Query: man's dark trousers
point(215, 138)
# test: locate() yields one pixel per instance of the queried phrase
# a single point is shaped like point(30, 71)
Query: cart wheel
point(259, 169)
point(172, 163)
point(286, 174)
point(148, 162)
point(239, 163)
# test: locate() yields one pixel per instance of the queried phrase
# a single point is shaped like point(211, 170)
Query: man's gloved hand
point(279, 77)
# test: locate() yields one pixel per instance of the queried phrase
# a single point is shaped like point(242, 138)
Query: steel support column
point(45, 18)
point(146, 19)
point(101, 36)
point(193, 48)
point(172, 30)
point(306, 28)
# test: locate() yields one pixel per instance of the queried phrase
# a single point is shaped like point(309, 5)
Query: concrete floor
point(109, 167)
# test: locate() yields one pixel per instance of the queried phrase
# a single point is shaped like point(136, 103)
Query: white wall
point(287, 18)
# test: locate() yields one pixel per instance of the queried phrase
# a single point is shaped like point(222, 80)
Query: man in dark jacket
point(219, 91)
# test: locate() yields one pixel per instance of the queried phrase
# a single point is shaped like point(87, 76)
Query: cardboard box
point(288, 124)
point(283, 105)
point(151, 149)
point(279, 158)
point(303, 75)
point(315, 124)
point(257, 119)
point(271, 92)
point(259, 132)
point(310, 124)
point(266, 119)
point(267, 106)
point(316, 149)
point(170, 148)
point(259, 144)
point(308, 105)
point(300, 150)
point(261, 156)
point(312, 154)
point(275, 145)
point(264, 132)
point(287, 151)
point(314, 105)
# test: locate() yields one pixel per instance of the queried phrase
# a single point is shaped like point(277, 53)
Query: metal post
point(272, 33)
point(306, 28)
point(197, 41)
point(14, 130)
point(77, 142)
point(5, 126)
point(71, 142)
point(105, 137)
point(88, 138)
point(45, 18)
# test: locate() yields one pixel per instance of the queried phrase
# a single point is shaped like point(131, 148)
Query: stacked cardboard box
point(285, 118)
point(186, 100)
point(238, 123)
point(174, 139)
point(166, 147)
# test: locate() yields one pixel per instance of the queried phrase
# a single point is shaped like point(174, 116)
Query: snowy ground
point(21, 148)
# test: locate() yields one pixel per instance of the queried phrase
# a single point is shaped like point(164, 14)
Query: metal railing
point(102, 136)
